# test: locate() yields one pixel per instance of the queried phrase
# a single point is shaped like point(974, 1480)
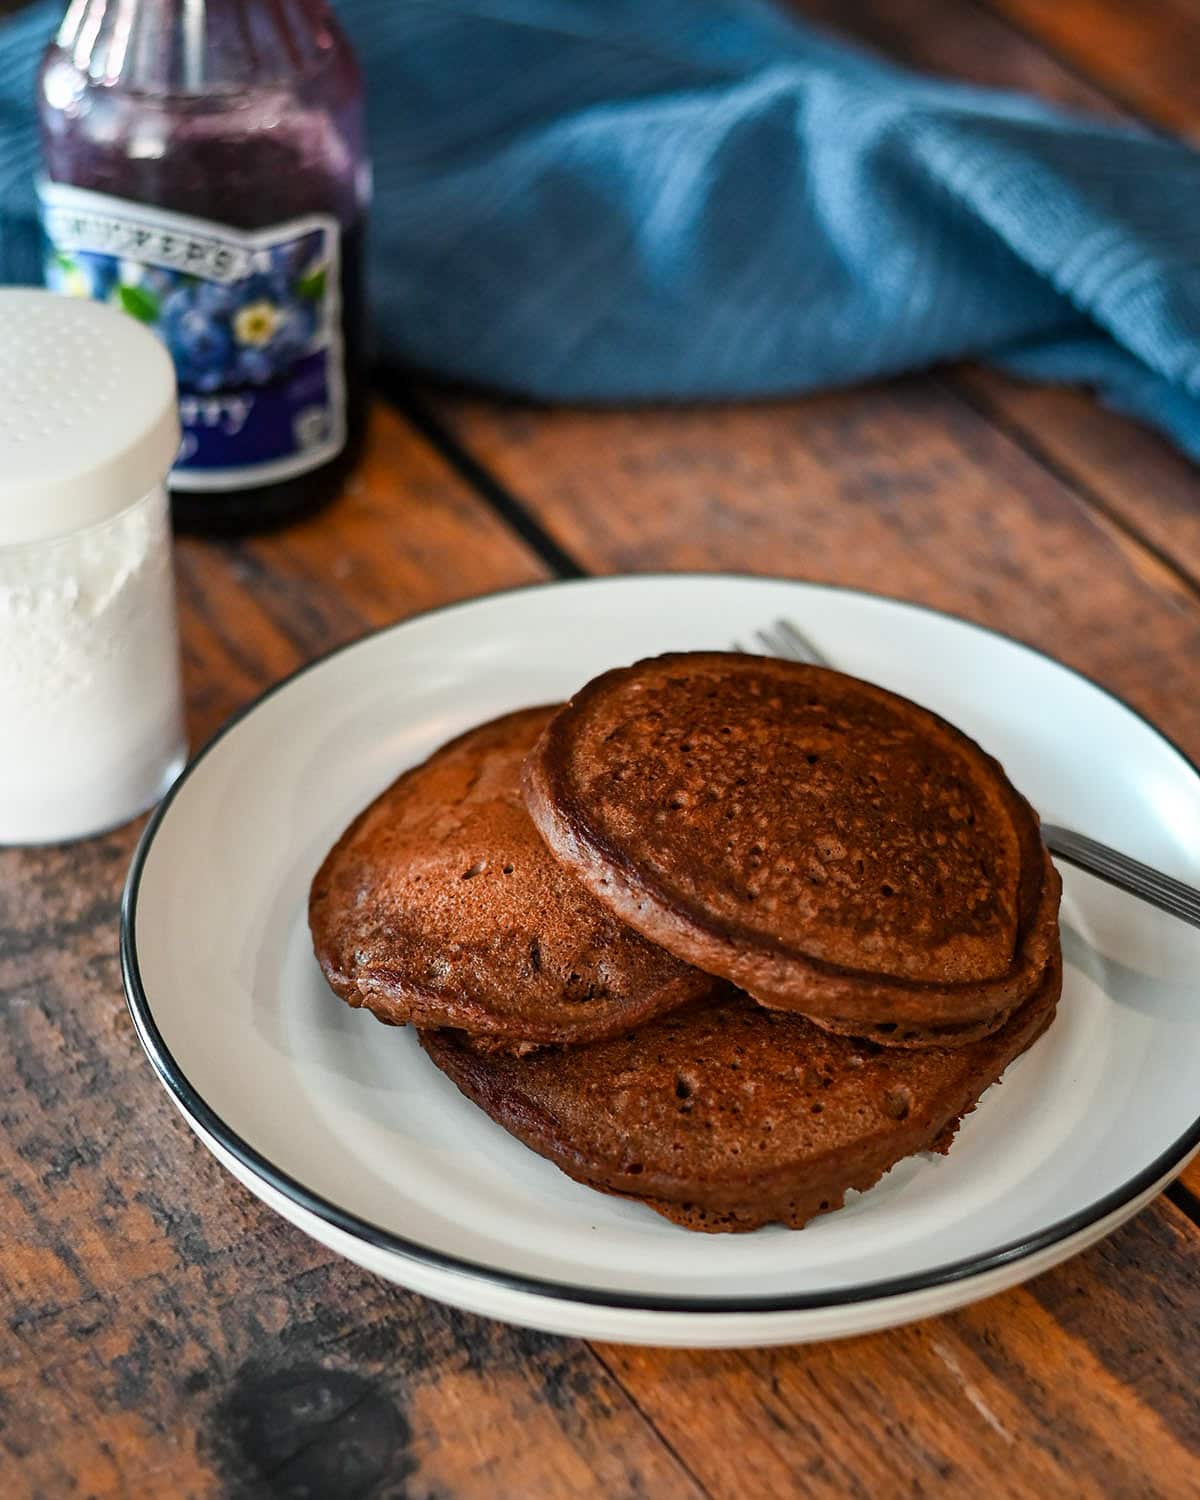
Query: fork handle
point(1151, 885)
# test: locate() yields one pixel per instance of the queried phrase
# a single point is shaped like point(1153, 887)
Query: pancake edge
point(396, 1001)
point(787, 978)
point(786, 1195)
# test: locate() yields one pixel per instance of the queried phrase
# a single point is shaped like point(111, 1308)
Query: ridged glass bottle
point(206, 170)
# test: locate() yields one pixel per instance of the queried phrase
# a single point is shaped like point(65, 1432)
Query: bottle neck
point(182, 47)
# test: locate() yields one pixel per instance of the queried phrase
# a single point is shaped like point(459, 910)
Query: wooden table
point(163, 1334)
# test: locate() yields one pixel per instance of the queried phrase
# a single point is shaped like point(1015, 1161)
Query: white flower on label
point(256, 323)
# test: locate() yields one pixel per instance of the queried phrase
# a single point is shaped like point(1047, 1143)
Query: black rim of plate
point(199, 1112)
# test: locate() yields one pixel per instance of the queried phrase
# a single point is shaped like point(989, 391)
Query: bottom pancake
point(727, 1116)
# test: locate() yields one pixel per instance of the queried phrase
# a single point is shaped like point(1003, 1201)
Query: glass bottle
point(205, 169)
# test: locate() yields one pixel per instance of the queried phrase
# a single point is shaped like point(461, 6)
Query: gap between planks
point(637, 1406)
point(1185, 1200)
point(1172, 572)
point(1141, 88)
point(509, 507)
point(1069, 64)
point(399, 394)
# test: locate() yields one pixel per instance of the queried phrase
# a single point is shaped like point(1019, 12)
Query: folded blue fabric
point(607, 200)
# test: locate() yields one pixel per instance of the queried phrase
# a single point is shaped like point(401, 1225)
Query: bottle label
point(252, 320)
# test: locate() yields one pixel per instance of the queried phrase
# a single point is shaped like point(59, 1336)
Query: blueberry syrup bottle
point(205, 170)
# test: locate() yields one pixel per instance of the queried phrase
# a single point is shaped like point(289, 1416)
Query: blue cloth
point(615, 200)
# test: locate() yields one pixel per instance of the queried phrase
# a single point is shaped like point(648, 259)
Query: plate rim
point(193, 1104)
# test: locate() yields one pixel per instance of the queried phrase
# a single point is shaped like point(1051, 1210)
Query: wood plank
point(964, 41)
point(902, 489)
point(1129, 471)
point(162, 1333)
point(1024, 1395)
point(1135, 474)
point(1142, 52)
point(405, 536)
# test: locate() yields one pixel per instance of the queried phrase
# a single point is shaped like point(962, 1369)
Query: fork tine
point(795, 643)
point(784, 639)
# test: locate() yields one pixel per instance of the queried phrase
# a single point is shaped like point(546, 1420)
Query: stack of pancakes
point(724, 934)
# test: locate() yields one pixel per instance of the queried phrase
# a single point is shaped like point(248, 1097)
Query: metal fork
point(1163, 891)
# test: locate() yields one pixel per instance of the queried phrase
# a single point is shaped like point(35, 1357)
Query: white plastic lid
point(88, 417)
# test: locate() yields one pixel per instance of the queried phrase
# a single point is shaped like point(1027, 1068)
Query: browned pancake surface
point(726, 1116)
point(441, 905)
point(883, 1013)
point(825, 844)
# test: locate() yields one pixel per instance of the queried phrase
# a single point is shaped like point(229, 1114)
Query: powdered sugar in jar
point(91, 723)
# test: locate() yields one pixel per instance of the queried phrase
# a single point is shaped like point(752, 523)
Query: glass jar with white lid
point(91, 718)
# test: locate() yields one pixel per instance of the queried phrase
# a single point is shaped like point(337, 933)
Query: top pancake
point(829, 846)
point(441, 905)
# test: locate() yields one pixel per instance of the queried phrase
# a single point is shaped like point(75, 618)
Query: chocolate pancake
point(826, 845)
point(441, 905)
point(1040, 946)
point(727, 1116)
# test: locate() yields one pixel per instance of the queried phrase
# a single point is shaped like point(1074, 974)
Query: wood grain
point(1131, 473)
point(903, 489)
point(405, 536)
point(161, 1333)
point(962, 39)
point(1053, 1389)
point(1142, 51)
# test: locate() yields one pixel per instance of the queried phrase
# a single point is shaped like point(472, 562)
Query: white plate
point(345, 1128)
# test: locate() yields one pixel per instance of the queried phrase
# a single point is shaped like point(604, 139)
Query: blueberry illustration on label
point(248, 318)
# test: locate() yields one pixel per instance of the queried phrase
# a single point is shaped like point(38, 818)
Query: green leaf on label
point(312, 286)
point(63, 262)
point(139, 303)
